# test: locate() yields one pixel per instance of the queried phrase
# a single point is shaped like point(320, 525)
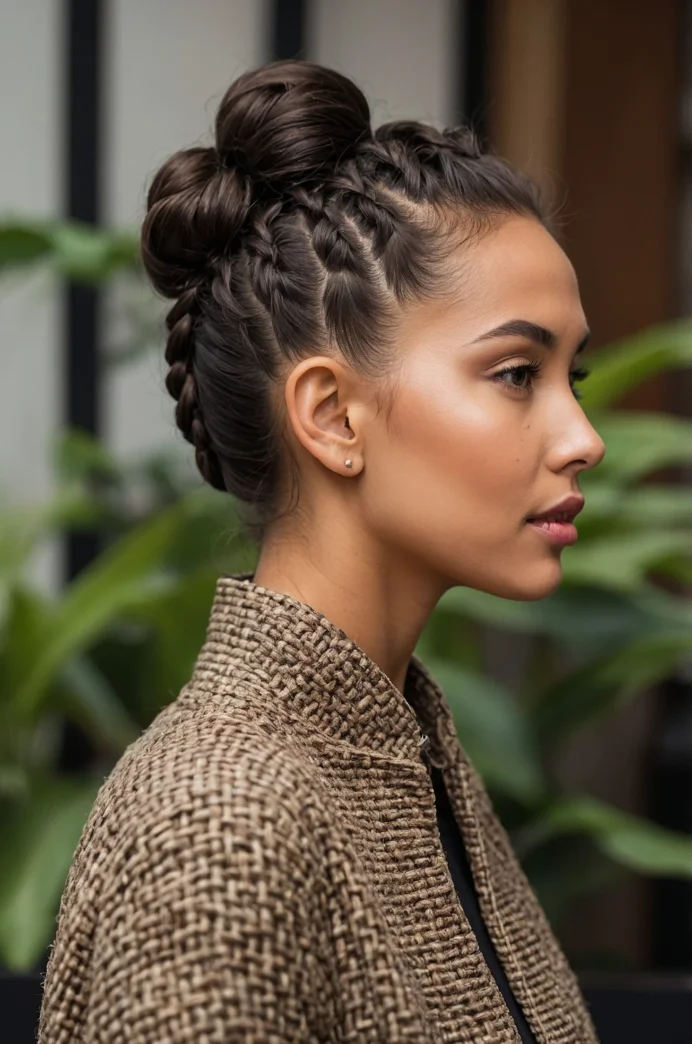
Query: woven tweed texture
point(264, 865)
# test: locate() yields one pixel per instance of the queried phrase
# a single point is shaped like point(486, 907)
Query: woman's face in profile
point(485, 430)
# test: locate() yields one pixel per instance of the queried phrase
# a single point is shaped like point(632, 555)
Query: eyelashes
point(580, 374)
point(532, 372)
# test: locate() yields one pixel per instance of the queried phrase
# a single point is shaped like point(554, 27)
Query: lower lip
point(557, 532)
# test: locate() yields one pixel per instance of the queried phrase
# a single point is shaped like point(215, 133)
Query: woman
point(373, 348)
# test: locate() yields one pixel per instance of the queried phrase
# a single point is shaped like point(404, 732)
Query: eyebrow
point(540, 335)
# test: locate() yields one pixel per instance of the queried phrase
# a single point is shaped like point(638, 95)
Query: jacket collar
point(326, 676)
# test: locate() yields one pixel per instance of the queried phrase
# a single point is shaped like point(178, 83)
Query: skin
point(442, 483)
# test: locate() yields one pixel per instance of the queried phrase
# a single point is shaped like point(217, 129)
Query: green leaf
point(575, 615)
point(25, 624)
point(22, 529)
point(598, 688)
point(564, 869)
point(78, 250)
point(632, 842)
point(452, 638)
point(88, 700)
point(642, 508)
point(617, 368)
point(38, 838)
point(488, 609)
point(623, 560)
point(638, 443)
point(81, 251)
point(79, 455)
point(89, 254)
point(124, 248)
point(120, 577)
point(22, 244)
point(147, 561)
point(14, 783)
point(178, 620)
point(492, 729)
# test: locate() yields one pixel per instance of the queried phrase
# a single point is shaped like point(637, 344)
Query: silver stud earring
point(348, 463)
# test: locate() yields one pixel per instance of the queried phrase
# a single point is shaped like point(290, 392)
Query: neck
point(380, 601)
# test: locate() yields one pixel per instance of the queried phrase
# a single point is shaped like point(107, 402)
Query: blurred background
point(578, 709)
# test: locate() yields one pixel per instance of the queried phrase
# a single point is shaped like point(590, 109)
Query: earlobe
point(349, 463)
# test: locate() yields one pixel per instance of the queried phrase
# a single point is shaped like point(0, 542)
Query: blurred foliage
point(120, 640)
point(73, 249)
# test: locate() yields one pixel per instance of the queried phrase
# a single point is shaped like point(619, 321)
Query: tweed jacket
point(264, 864)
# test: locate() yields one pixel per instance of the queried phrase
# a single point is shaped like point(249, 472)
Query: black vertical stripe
point(83, 31)
point(83, 23)
point(288, 28)
point(671, 807)
point(473, 65)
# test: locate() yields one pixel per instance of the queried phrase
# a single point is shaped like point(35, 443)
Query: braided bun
point(195, 208)
point(285, 123)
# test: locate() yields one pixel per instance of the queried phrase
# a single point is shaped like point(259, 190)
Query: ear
point(324, 408)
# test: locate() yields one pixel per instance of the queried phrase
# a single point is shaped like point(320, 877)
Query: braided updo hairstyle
point(300, 231)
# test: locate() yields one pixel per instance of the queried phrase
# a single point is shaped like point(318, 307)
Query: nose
point(579, 445)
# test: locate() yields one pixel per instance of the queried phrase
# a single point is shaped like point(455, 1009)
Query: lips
point(555, 516)
point(566, 510)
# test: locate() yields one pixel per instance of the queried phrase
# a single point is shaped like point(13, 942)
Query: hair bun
point(194, 210)
point(290, 121)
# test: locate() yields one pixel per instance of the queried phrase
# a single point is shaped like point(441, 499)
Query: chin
point(535, 583)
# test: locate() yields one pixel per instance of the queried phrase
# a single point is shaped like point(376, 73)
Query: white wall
point(404, 54)
point(30, 312)
point(168, 64)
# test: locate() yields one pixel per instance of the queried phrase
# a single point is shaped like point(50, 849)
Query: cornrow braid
point(184, 227)
point(182, 385)
point(349, 280)
point(399, 250)
point(284, 289)
point(302, 230)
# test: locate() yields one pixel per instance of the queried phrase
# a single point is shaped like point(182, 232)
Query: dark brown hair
point(300, 230)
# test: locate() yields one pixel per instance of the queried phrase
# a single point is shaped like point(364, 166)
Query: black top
point(453, 844)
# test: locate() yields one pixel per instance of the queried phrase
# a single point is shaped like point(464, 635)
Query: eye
point(527, 372)
point(520, 379)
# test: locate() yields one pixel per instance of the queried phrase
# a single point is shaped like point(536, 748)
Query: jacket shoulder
point(198, 875)
point(226, 760)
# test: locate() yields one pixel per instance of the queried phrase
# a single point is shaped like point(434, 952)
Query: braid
point(182, 386)
point(382, 219)
point(428, 143)
point(335, 242)
point(417, 160)
point(350, 286)
point(283, 273)
point(197, 211)
point(390, 162)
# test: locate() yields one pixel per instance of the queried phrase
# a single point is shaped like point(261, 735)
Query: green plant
point(106, 655)
point(120, 640)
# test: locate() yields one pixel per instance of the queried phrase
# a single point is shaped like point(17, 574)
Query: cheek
point(461, 450)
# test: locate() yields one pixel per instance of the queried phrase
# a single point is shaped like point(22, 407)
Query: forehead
point(517, 266)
